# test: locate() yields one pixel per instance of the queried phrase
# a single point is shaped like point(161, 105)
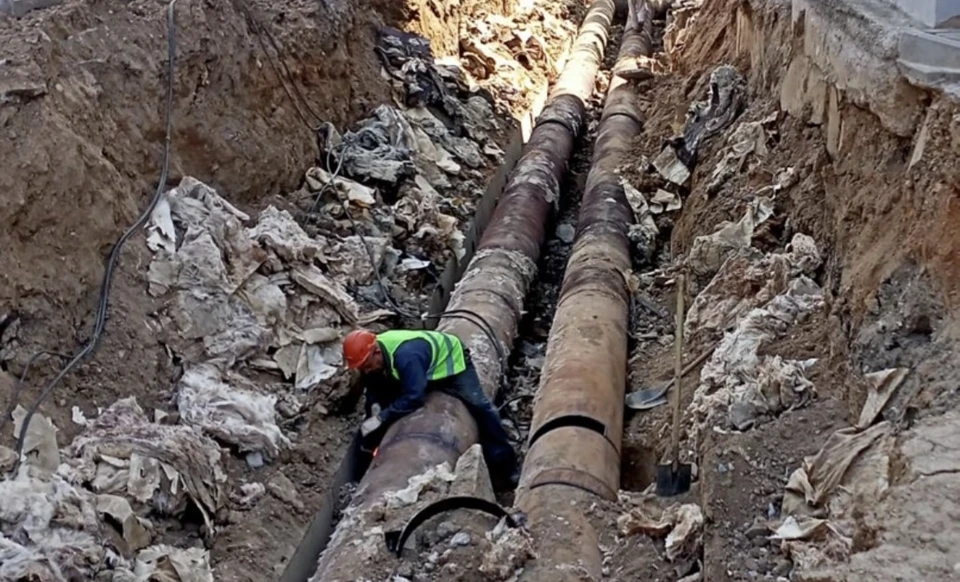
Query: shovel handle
point(678, 371)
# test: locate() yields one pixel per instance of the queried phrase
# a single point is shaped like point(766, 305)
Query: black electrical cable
point(15, 398)
point(100, 321)
point(260, 31)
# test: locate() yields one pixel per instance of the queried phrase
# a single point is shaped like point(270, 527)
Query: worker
point(400, 367)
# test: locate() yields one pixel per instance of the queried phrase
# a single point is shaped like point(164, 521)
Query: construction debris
point(436, 477)
point(168, 564)
point(882, 386)
point(48, 530)
point(40, 442)
point(681, 525)
point(163, 466)
point(810, 486)
point(233, 412)
point(514, 56)
point(724, 300)
point(847, 491)
point(511, 549)
point(736, 380)
point(724, 101)
point(710, 251)
point(749, 138)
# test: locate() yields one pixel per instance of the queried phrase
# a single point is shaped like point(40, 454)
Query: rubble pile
point(515, 56)
point(247, 298)
point(85, 518)
point(397, 191)
point(753, 298)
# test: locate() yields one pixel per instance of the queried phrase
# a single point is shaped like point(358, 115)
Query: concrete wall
point(932, 13)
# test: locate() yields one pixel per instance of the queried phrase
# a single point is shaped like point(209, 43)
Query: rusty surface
point(567, 545)
point(577, 427)
point(494, 286)
point(575, 456)
point(584, 374)
point(585, 368)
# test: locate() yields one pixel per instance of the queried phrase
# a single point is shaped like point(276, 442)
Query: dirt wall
point(875, 185)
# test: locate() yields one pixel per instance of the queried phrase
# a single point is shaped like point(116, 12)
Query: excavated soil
point(881, 224)
point(81, 107)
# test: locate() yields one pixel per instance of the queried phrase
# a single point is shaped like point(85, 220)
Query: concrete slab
point(932, 13)
point(931, 59)
point(855, 46)
point(879, 54)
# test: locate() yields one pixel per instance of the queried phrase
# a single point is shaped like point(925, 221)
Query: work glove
point(370, 425)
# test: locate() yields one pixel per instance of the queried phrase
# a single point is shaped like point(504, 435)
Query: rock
point(7, 458)
point(447, 529)
point(757, 530)
point(283, 489)
point(782, 567)
point(566, 232)
point(234, 516)
point(742, 414)
point(460, 539)
point(255, 460)
point(472, 476)
point(405, 570)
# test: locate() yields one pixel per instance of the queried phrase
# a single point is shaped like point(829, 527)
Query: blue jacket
point(397, 399)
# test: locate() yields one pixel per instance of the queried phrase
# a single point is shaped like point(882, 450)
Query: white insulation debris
point(738, 385)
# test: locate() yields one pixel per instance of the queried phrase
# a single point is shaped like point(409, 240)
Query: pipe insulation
point(494, 287)
point(576, 434)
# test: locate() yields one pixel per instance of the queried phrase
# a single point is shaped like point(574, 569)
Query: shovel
point(648, 398)
point(674, 478)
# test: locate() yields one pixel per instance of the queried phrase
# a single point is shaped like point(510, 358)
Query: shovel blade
point(673, 480)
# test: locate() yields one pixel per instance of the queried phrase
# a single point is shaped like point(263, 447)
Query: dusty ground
point(81, 112)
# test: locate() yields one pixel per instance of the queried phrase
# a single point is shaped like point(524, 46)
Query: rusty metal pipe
point(494, 287)
point(577, 429)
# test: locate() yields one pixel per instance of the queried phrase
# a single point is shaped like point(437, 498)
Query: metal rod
point(576, 434)
point(494, 287)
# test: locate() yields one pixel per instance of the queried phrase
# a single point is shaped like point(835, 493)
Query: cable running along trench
point(100, 321)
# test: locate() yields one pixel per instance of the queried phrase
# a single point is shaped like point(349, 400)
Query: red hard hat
point(357, 347)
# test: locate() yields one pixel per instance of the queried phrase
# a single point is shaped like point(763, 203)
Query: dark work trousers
point(465, 387)
point(497, 450)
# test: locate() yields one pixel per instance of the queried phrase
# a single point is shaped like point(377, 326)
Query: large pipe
point(576, 434)
point(493, 287)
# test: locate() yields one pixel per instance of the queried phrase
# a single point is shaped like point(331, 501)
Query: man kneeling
point(400, 367)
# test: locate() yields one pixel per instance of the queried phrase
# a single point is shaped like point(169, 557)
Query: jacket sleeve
point(412, 361)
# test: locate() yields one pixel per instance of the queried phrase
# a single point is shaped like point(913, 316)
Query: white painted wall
point(932, 13)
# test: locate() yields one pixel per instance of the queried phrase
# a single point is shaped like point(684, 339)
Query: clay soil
point(82, 135)
point(889, 258)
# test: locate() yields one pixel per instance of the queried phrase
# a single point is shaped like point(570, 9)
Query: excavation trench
point(356, 460)
point(841, 181)
point(492, 290)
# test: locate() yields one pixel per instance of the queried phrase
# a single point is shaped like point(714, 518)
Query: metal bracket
point(396, 539)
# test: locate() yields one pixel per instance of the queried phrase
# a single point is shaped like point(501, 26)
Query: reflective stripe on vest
point(447, 357)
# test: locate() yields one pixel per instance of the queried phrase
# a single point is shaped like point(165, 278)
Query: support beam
point(575, 438)
point(494, 287)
